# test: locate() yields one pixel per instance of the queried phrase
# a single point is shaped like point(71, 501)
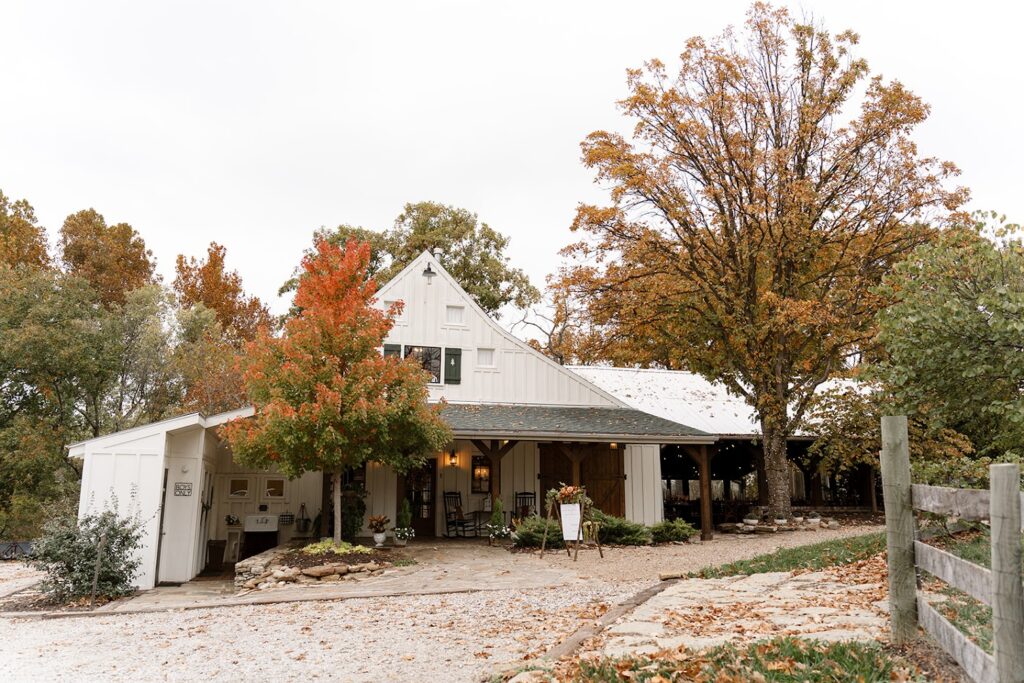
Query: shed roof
point(680, 396)
point(571, 423)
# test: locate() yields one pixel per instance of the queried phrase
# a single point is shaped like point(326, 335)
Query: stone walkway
point(842, 603)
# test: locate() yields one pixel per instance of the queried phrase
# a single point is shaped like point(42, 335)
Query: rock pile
point(268, 570)
point(791, 525)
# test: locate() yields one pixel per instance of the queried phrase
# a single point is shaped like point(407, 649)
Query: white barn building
point(522, 424)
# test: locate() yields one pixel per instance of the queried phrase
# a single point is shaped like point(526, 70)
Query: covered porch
point(515, 453)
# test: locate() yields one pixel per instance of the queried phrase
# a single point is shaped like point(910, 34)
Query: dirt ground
point(459, 636)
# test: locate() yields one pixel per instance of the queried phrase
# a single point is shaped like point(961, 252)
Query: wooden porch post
point(706, 522)
point(494, 452)
point(702, 456)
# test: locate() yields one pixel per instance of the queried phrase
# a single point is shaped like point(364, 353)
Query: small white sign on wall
point(570, 513)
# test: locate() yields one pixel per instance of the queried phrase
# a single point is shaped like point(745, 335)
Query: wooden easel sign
point(571, 520)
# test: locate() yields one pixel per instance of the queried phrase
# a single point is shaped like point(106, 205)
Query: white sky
point(254, 123)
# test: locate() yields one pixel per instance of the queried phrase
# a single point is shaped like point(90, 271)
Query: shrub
point(669, 531)
point(620, 531)
point(403, 520)
point(70, 548)
point(327, 546)
point(530, 532)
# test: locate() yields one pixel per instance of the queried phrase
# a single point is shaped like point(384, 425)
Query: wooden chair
point(454, 519)
point(526, 504)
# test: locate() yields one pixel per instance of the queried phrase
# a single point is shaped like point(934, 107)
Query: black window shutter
point(452, 366)
point(392, 350)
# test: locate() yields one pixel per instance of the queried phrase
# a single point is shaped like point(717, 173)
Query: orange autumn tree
point(326, 398)
point(210, 283)
point(753, 211)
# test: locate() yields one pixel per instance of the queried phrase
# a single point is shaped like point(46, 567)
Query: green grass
point(781, 660)
point(816, 556)
point(403, 562)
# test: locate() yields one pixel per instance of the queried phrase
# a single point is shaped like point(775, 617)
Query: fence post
point(1007, 591)
point(899, 528)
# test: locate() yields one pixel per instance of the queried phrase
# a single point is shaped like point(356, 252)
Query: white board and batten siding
point(495, 366)
point(644, 498)
point(127, 469)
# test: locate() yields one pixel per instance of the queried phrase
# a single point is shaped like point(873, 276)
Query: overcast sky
point(254, 123)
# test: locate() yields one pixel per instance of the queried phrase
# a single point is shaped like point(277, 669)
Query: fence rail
point(1000, 587)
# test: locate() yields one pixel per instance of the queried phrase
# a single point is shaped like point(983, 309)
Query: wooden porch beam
point(576, 454)
point(494, 452)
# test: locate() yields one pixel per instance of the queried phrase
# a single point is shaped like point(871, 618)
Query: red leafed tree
point(325, 397)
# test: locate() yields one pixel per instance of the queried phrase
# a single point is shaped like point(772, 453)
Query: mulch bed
point(302, 560)
point(31, 600)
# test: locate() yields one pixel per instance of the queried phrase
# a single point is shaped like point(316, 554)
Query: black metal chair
point(454, 518)
point(526, 504)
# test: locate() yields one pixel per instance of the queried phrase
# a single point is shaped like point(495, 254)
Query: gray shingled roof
point(568, 423)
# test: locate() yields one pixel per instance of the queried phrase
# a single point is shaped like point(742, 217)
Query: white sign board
point(570, 521)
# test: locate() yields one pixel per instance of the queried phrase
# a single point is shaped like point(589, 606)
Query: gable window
point(485, 358)
point(455, 315)
point(429, 357)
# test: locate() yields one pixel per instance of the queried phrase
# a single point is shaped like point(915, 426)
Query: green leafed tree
point(954, 338)
point(473, 252)
point(847, 420)
point(325, 396)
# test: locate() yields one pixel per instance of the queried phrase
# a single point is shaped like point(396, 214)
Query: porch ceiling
point(566, 423)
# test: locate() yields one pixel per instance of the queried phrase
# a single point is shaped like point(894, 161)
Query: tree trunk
point(776, 471)
point(336, 498)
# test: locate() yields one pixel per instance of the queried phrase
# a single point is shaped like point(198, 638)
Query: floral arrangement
point(378, 523)
point(404, 533)
point(568, 495)
point(498, 530)
point(232, 520)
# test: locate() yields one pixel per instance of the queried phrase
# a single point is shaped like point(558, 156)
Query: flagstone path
point(840, 603)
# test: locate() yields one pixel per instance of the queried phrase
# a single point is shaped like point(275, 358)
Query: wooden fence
point(1000, 587)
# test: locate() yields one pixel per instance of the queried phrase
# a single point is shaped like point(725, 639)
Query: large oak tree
point(753, 209)
point(326, 398)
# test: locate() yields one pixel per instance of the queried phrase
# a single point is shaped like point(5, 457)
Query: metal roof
point(568, 423)
point(680, 396)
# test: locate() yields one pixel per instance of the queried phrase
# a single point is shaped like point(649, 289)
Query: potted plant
point(750, 519)
point(403, 527)
point(377, 524)
point(496, 527)
point(813, 519)
point(780, 520)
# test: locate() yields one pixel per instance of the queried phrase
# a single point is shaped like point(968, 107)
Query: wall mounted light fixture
point(453, 459)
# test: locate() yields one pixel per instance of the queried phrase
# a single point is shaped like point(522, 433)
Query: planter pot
point(751, 522)
point(379, 539)
point(798, 520)
point(779, 521)
point(400, 542)
point(813, 521)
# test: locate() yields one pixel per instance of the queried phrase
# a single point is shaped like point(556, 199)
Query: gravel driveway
point(459, 637)
point(451, 637)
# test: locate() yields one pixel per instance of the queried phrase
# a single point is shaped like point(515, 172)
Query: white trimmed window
point(485, 358)
point(455, 315)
